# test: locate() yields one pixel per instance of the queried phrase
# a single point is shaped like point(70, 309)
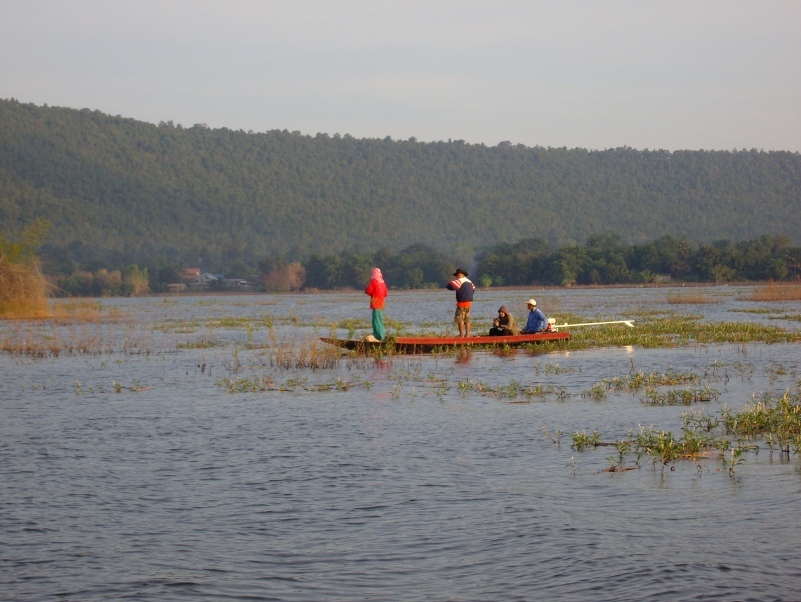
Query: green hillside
point(136, 190)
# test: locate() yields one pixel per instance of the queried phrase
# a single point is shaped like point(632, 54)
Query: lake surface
point(133, 472)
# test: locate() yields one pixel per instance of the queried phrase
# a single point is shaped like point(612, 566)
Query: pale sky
point(675, 74)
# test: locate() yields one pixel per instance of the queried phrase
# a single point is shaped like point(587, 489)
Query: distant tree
point(291, 277)
point(135, 281)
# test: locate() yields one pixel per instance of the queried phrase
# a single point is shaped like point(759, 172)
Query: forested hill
point(125, 185)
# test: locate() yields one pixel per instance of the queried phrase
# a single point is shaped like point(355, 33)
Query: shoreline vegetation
point(23, 287)
point(602, 261)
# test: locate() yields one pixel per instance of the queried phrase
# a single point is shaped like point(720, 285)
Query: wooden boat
point(429, 344)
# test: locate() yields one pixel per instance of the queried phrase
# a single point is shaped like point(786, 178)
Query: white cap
point(531, 302)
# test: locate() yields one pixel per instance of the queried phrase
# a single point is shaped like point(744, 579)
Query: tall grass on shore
point(775, 292)
point(23, 287)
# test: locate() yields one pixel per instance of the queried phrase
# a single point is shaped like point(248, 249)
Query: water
point(138, 476)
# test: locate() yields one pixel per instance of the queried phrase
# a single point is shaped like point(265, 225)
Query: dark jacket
point(464, 289)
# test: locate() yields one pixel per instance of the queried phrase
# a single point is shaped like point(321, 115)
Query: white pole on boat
point(629, 323)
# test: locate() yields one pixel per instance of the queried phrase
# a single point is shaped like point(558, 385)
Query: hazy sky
point(677, 74)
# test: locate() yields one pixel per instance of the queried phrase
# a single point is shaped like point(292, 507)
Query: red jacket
point(378, 293)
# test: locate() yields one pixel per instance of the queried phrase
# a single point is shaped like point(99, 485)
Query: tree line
point(602, 259)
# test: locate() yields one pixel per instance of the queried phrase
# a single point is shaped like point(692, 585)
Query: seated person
point(504, 324)
point(536, 321)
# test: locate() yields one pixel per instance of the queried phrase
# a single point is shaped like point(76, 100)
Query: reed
point(775, 292)
point(290, 353)
point(23, 287)
point(23, 290)
point(53, 338)
point(82, 311)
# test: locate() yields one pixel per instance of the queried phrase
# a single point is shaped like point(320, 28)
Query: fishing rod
point(629, 323)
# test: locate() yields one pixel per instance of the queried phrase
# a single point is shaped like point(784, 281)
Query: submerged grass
point(50, 340)
point(672, 331)
point(223, 322)
point(261, 384)
point(513, 390)
point(691, 298)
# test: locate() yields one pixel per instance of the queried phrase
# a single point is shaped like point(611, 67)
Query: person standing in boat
point(504, 324)
point(536, 321)
point(464, 299)
point(377, 289)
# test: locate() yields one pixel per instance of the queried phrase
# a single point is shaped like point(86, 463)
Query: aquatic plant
point(679, 396)
point(119, 386)
point(557, 440)
point(582, 440)
point(776, 420)
point(639, 380)
point(597, 392)
point(778, 416)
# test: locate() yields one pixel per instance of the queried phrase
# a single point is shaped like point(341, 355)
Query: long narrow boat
point(429, 344)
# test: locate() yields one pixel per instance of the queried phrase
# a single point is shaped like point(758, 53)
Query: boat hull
point(429, 344)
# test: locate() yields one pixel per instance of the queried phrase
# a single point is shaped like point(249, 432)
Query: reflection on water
point(424, 478)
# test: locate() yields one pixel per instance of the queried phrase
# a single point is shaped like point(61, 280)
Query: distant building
point(236, 283)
